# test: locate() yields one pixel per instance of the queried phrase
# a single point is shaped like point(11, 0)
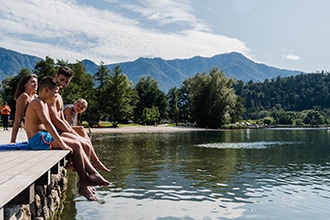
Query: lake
point(235, 174)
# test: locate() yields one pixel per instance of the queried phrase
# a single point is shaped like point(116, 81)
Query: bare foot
point(85, 191)
point(91, 188)
point(100, 166)
point(99, 180)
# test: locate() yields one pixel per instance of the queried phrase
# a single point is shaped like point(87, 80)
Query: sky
point(286, 34)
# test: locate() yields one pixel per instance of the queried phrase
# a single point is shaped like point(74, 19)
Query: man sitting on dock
point(63, 78)
point(42, 135)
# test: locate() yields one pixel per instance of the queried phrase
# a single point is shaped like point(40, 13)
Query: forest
point(208, 99)
point(295, 100)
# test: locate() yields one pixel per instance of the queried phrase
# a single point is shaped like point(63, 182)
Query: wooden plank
point(21, 158)
point(20, 169)
point(27, 161)
point(7, 159)
point(42, 160)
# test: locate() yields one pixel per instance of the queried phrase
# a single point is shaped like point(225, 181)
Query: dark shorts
point(41, 141)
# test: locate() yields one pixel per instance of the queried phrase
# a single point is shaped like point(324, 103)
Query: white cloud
point(167, 12)
point(66, 30)
point(291, 57)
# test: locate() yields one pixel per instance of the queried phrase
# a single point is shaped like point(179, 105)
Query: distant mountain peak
point(168, 73)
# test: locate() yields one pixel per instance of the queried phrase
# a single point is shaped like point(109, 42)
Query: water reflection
point(258, 174)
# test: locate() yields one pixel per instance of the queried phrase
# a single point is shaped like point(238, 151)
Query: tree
point(101, 78)
point(183, 103)
point(173, 96)
point(236, 111)
point(149, 96)
point(313, 118)
point(211, 96)
point(150, 115)
point(121, 97)
point(44, 68)
point(81, 84)
point(9, 85)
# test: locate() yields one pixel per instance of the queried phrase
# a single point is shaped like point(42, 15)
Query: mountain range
point(168, 73)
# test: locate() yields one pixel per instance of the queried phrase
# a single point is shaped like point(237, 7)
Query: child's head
point(47, 89)
point(63, 76)
point(80, 105)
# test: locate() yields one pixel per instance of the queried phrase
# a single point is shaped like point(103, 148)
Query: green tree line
point(296, 100)
point(208, 99)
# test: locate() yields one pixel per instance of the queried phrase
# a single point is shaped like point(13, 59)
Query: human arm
point(68, 114)
point(57, 117)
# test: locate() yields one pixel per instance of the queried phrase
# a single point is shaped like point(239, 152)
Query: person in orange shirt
point(5, 113)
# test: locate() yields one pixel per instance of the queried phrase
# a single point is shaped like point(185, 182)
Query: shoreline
point(21, 135)
point(144, 129)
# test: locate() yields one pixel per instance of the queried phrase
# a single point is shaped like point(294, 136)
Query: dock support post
point(25, 197)
point(2, 214)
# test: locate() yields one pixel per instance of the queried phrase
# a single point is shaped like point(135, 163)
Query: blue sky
point(287, 34)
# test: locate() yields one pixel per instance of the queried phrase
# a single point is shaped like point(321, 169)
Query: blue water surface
point(236, 174)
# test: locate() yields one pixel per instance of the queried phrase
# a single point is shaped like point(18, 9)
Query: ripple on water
point(244, 145)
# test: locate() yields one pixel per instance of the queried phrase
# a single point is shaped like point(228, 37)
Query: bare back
point(37, 115)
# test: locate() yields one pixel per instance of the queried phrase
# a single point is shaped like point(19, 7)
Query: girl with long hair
point(25, 93)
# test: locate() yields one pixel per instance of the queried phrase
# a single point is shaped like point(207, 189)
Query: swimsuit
point(41, 141)
point(73, 114)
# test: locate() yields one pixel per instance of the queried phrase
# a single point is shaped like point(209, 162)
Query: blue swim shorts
point(41, 141)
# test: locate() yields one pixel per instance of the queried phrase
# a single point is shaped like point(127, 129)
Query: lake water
point(238, 174)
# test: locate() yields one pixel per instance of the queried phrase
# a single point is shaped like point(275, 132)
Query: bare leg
point(88, 176)
point(94, 176)
point(81, 131)
point(89, 149)
point(73, 140)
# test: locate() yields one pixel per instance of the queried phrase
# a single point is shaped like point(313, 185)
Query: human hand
point(64, 146)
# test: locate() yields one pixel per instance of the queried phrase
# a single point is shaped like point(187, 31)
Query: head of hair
point(47, 82)
point(83, 101)
point(21, 85)
point(66, 71)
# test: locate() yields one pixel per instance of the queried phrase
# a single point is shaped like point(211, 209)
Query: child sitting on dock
point(42, 135)
point(72, 114)
point(73, 111)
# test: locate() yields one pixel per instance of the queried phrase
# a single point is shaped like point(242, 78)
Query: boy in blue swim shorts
point(42, 135)
point(41, 141)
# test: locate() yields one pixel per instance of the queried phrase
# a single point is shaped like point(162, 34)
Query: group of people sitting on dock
point(49, 126)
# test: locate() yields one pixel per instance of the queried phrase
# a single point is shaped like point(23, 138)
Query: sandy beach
point(21, 136)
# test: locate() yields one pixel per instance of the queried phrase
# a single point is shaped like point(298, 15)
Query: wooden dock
point(21, 170)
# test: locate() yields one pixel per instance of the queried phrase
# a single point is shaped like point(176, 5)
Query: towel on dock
point(16, 146)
